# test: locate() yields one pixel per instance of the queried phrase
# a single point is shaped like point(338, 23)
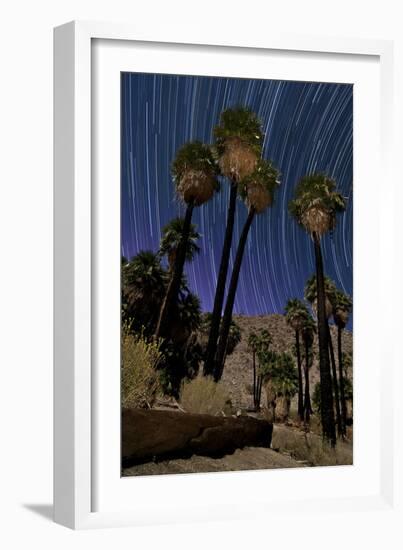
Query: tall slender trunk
point(259, 391)
point(326, 394)
point(220, 289)
point(300, 391)
point(227, 317)
point(341, 378)
point(307, 400)
point(174, 284)
point(254, 378)
point(335, 384)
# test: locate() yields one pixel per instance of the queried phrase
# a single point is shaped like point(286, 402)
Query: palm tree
point(347, 360)
point(194, 171)
point(284, 379)
point(342, 305)
point(258, 193)
point(253, 346)
point(238, 140)
point(315, 207)
point(308, 334)
point(311, 296)
point(186, 318)
point(296, 314)
point(171, 239)
point(143, 288)
point(263, 343)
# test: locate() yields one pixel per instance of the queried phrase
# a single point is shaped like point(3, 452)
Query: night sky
point(308, 127)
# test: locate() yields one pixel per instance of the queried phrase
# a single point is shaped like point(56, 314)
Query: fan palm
point(310, 294)
point(186, 318)
point(194, 171)
point(263, 343)
point(171, 239)
point(342, 305)
point(296, 314)
point(258, 193)
point(238, 140)
point(315, 207)
point(143, 288)
point(284, 380)
point(253, 346)
point(308, 334)
point(330, 293)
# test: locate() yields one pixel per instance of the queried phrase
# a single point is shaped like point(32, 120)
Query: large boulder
point(160, 435)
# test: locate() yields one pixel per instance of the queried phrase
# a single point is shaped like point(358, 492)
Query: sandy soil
point(249, 458)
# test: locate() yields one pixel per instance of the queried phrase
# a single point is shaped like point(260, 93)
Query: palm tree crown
point(308, 330)
point(296, 313)
point(316, 203)
point(258, 188)
point(342, 305)
point(238, 139)
point(143, 275)
point(194, 171)
point(310, 294)
point(171, 239)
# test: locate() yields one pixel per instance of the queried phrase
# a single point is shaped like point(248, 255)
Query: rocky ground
point(291, 446)
point(249, 458)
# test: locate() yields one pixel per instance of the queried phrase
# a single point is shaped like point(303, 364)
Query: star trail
point(308, 127)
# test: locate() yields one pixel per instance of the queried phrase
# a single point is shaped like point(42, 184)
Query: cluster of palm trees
point(300, 320)
point(161, 303)
point(280, 377)
point(259, 344)
point(315, 207)
point(158, 299)
point(238, 147)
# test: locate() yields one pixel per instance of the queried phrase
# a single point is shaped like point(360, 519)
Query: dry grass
point(310, 448)
point(140, 379)
point(203, 395)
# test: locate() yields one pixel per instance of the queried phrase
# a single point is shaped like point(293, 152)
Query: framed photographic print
point(215, 248)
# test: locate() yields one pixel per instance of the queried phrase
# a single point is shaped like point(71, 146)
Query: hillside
point(238, 373)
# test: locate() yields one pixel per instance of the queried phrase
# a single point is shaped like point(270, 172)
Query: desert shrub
point(139, 377)
point(203, 395)
point(311, 448)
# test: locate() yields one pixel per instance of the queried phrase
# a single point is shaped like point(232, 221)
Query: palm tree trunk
point(300, 392)
point(227, 317)
point(307, 400)
point(327, 413)
point(335, 384)
point(220, 289)
point(341, 378)
point(259, 392)
point(254, 378)
point(172, 291)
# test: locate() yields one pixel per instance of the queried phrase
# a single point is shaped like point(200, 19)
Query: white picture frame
point(77, 208)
